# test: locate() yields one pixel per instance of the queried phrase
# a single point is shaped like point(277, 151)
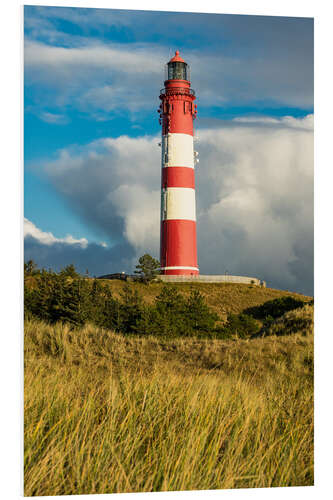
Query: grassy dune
point(223, 298)
point(107, 413)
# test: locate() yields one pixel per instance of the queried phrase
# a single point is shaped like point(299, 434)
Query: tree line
point(69, 297)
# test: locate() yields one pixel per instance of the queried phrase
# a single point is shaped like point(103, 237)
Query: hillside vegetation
point(136, 387)
point(206, 310)
point(223, 298)
point(109, 413)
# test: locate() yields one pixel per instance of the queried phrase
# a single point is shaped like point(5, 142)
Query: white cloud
point(254, 196)
point(138, 206)
point(256, 201)
point(286, 121)
point(53, 118)
point(95, 77)
point(88, 58)
point(114, 185)
point(47, 238)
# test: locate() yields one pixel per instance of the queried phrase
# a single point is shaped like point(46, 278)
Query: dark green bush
point(68, 297)
point(274, 308)
point(240, 325)
point(130, 310)
point(174, 315)
point(199, 316)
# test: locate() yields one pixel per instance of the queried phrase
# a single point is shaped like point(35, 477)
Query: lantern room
point(177, 69)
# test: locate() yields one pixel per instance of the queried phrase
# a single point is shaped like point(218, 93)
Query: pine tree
point(166, 316)
point(70, 300)
point(109, 317)
point(130, 309)
point(148, 268)
point(41, 297)
point(30, 268)
point(69, 271)
point(200, 319)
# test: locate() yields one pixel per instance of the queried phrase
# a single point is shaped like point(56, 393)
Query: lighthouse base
point(224, 278)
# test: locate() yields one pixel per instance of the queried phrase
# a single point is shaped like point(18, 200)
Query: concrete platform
point(213, 278)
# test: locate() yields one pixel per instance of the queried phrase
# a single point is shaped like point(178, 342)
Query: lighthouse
point(178, 240)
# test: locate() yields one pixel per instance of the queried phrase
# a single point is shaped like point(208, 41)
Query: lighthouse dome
point(176, 58)
point(177, 68)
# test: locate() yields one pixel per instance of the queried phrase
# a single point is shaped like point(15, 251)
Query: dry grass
point(106, 413)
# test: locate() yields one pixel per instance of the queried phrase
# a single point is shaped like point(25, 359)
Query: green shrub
point(240, 325)
point(174, 315)
point(130, 310)
point(298, 321)
point(200, 319)
point(274, 308)
point(68, 297)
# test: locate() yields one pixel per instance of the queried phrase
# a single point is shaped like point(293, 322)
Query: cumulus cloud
point(30, 230)
point(255, 205)
point(56, 253)
point(254, 196)
point(113, 183)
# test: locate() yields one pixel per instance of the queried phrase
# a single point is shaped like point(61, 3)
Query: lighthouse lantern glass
point(178, 71)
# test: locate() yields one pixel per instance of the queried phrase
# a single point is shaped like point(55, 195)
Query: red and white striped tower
point(178, 245)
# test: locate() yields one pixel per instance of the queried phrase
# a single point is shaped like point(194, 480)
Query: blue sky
point(92, 79)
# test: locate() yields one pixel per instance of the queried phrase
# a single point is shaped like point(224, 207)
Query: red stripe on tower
point(178, 177)
point(178, 252)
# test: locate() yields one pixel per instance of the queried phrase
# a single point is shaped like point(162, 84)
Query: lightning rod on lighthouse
point(178, 243)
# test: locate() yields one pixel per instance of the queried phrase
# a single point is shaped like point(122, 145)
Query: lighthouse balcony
point(177, 90)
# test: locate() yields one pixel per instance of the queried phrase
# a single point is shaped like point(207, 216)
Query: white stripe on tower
point(178, 203)
point(180, 267)
point(177, 150)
